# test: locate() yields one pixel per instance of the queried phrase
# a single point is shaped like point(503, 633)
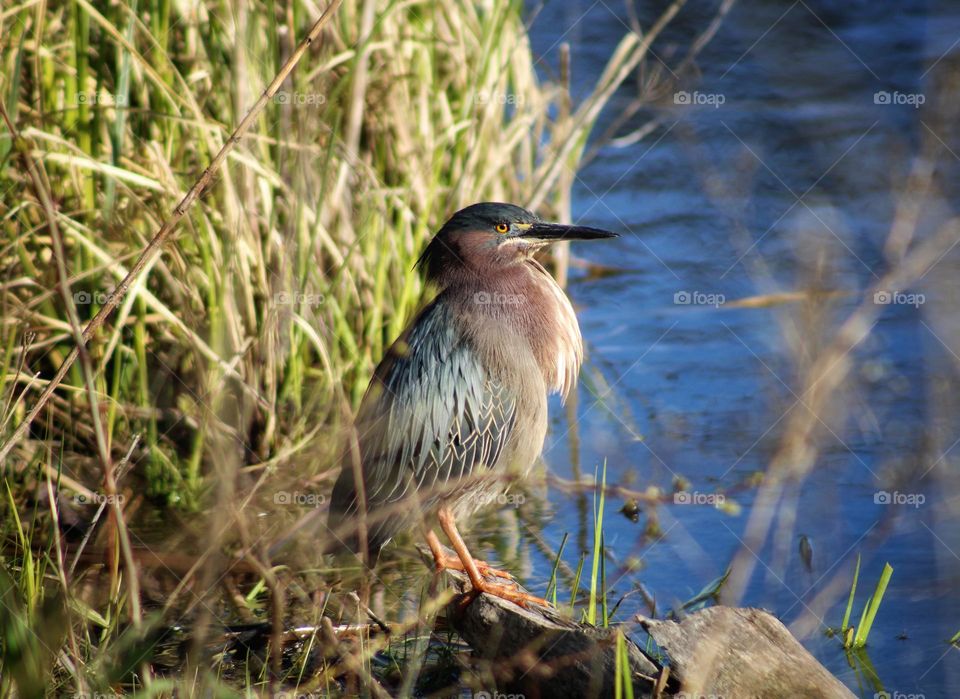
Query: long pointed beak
point(553, 232)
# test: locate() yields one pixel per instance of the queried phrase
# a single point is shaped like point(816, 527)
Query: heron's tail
point(383, 521)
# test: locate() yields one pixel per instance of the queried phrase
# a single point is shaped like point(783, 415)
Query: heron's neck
point(561, 348)
point(529, 302)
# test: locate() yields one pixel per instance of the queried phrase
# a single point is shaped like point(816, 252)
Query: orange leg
point(507, 592)
point(445, 561)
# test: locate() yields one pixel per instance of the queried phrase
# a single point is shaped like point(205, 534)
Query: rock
point(718, 651)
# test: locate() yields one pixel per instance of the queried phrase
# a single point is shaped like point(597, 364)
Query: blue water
point(792, 180)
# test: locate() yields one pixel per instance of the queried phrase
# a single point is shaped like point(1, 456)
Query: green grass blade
point(603, 581)
point(6, 141)
point(873, 606)
point(627, 675)
point(623, 677)
point(853, 589)
point(122, 101)
point(576, 582)
point(552, 585)
point(597, 547)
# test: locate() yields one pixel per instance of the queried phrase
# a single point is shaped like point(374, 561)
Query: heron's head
point(489, 237)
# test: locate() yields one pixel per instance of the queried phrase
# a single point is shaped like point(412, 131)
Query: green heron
point(458, 405)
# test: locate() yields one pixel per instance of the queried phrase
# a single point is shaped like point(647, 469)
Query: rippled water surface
point(777, 170)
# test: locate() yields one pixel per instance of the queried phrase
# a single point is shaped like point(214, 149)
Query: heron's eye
point(502, 228)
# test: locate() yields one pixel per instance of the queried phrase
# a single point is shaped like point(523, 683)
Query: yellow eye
point(502, 228)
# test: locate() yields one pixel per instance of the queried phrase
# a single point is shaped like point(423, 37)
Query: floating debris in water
point(631, 510)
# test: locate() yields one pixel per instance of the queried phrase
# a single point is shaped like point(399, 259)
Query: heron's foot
point(507, 592)
point(454, 563)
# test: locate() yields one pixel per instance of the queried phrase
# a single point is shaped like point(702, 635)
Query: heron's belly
point(487, 487)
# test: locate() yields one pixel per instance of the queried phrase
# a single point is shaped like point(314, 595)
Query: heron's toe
point(488, 570)
point(510, 593)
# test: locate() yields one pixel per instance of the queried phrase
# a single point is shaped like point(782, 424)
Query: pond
point(775, 169)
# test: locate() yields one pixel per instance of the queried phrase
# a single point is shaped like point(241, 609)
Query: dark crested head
point(484, 237)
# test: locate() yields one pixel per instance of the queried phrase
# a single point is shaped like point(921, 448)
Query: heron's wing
point(432, 416)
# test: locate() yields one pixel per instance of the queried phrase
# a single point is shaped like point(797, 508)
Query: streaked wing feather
point(432, 416)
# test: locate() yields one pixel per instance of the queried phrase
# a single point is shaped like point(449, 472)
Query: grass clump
point(856, 637)
point(230, 366)
point(294, 270)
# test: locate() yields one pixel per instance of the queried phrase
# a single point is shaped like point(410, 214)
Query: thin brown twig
point(155, 246)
